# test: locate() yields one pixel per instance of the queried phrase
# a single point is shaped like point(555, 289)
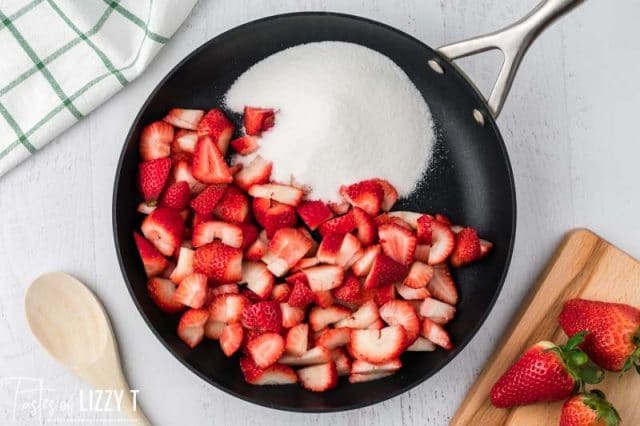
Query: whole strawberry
point(613, 341)
point(589, 409)
point(545, 372)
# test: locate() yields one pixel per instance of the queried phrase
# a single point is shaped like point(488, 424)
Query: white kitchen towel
point(60, 59)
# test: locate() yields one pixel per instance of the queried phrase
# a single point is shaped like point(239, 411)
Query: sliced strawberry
point(231, 338)
point(214, 329)
point(314, 213)
point(385, 218)
point(286, 248)
point(442, 286)
point(350, 251)
point(367, 229)
point(192, 290)
point(339, 225)
point(219, 262)
point(332, 338)
point(191, 326)
point(145, 208)
point(184, 141)
point(231, 288)
point(422, 253)
point(411, 218)
point(184, 118)
point(319, 378)
point(245, 145)
point(384, 294)
point(291, 316)
point(443, 219)
point(257, 120)
point(249, 233)
point(233, 206)
point(436, 334)
point(384, 270)
point(235, 169)
point(208, 164)
point(155, 141)
point(366, 315)
point(349, 290)
point(161, 291)
point(176, 196)
point(297, 340)
point(377, 325)
point(324, 277)
point(423, 229)
point(390, 195)
point(305, 263)
point(258, 278)
point(467, 248)
point(419, 275)
point(323, 298)
point(265, 349)
point(217, 126)
point(206, 201)
point(378, 346)
point(443, 242)
point(401, 312)
point(164, 228)
point(397, 242)
point(301, 295)
point(207, 232)
point(485, 247)
point(319, 318)
point(422, 344)
point(263, 316)
point(152, 176)
point(367, 195)
point(329, 248)
point(408, 293)
point(363, 265)
point(182, 173)
point(342, 361)
point(277, 374)
point(256, 172)
point(281, 193)
point(361, 378)
point(273, 215)
point(258, 248)
point(340, 207)
point(281, 292)
point(317, 355)
point(363, 367)
point(227, 307)
point(437, 311)
point(153, 261)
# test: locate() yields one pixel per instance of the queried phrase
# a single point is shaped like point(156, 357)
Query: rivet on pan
point(479, 117)
point(435, 66)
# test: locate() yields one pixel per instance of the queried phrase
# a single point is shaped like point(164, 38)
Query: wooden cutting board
point(584, 266)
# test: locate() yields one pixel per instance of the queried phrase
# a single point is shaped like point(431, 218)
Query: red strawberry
point(361, 378)
point(443, 242)
point(443, 219)
point(219, 262)
point(273, 215)
point(339, 225)
point(184, 142)
point(258, 278)
point(291, 316)
point(297, 340)
point(437, 311)
point(191, 326)
point(367, 229)
point(419, 275)
point(317, 355)
point(589, 409)
point(206, 232)
point(233, 206)
point(184, 266)
point(400, 312)
point(423, 229)
point(223, 289)
point(442, 286)
point(350, 251)
point(408, 293)
point(323, 298)
point(231, 338)
point(332, 338)
point(258, 171)
point(263, 316)
point(145, 208)
point(363, 265)
point(467, 248)
point(384, 270)
point(422, 344)
point(435, 333)
point(281, 193)
point(314, 213)
point(228, 307)
point(265, 349)
point(214, 329)
point(385, 294)
point(281, 292)
point(192, 291)
point(366, 315)
point(390, 195)
point(277, 374)
point(329, 248)
point(397, 243)
point(257, 120)
point(245, 145)
point(208, 165)
point(164, 228)
point(217, 126)
point(613, 341)
point(176, 196)
point(340, 207)
point(422, 253)
point(367, 195)
point(184, 118)
point(394, 217)
point(342, 361)
point(363, 367)
point(161, 291)
point(286, 248)
point(152, 176)
point(182, 172)
point(301, 295)
point(324, 277)
point(258, 248)
point(155, 141)
point(207, 200)
point(545, 372)
point(154, 262)
point(249, 233)
point(348, 291)
point(319, 318)
point(319, 378)
point(305, 263)
point(378, 346)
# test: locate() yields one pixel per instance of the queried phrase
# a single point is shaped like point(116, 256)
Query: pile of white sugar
point(345, 113)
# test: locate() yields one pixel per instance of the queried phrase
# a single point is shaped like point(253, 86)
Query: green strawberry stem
point(606, 412)
point(578, 364)
point(633, 360)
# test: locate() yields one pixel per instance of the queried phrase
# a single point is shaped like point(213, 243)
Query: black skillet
point(470, 180)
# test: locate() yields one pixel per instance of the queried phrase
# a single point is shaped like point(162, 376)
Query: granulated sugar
point(345, 113)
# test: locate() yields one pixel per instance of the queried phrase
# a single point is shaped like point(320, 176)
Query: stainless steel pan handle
point(513, 41)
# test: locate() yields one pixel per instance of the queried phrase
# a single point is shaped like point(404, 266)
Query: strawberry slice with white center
point(182, 173)
point(145, 208)
point(307, 262)
point(350, 251)
point(218, 127)
point(314, 213)
point(329, 248)
point(410, 218)
point(245, 145)
point(153, 261)
point(442, 244)
point(319, 378)
point(184, 141)
point(162, 291)
point(152, 177)
point(231, 338)
point(401, 312)
point(342, 361)
point(227, 307)
point(332, 338)
point(467, 248)
point(340, 207)
point(214, 329)
point(378, 346)
point(233, 206)
point(366, 195)
point(437, 311)
point(256, 172)
point(281, 292)
point(435, 333)
point(286, 248)
point(422, 344)
point(422, 253)
point(206, 232)
point(273, 215)
point(258, 248)
point(206, 201)
point(281, 193)
point(319, 318)
point(291, 316)
point(324, 277)
point(397, 242)
point(258, 278)
point(390, 195)
point(208, 165)
point(192, 290)
point(258, 120)
point(265, 349)
point(377, 325)
point(277, 374)
point(367, 229)
point(366, 315)
point(184, 118)
point(442, 286)
point(409, 293)
point(164, 228)
point(191, 326)
point(184, 266)
point(363, 265)
point(155, 141)
point(384, 270)
point(361, 378)
point(297, 340)
point(219, 262)
point(317, 355)
point(485, 247)
point(419, 275)
point(363, 367)
point(231, 288)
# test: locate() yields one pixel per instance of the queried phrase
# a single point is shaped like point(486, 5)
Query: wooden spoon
point(71, 324)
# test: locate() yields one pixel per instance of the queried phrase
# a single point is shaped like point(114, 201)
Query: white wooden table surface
point(570, 126)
